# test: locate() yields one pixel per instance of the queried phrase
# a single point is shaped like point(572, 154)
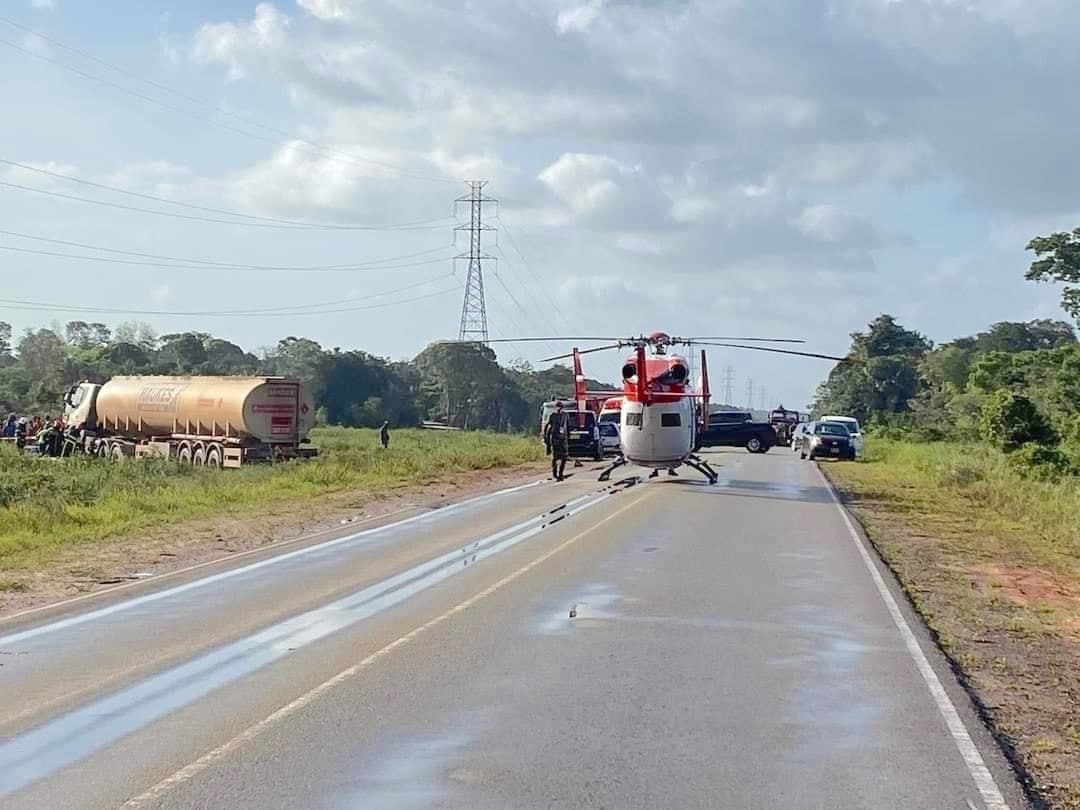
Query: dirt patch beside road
point(1009, 623)
point(88, 568)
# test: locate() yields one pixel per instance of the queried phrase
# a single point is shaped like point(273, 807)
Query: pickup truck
point(757, 437)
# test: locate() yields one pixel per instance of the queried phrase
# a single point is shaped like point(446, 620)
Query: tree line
point(458, 383)
point(1016, 385)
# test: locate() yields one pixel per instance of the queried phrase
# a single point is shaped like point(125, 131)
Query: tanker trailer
point(215, 421)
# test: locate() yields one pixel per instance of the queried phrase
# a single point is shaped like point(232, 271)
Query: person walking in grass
point(384, 434)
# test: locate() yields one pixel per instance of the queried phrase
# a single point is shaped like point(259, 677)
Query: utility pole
point(750, 394)
point(474, 310)
point(729, 385)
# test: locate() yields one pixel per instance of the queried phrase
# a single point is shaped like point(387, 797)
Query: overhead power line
point(513, 244)
point(193, 217)
point(290, 139)
point(180, 263)
point(390, 226)
point(520, 308)
point(167, 266)
point(43, 306)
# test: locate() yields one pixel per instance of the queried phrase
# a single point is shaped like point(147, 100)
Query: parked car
point(852, 425)
point(757, 437)
point(585, 440)
point(826, 440)
point(797, 433)
point(609, 438)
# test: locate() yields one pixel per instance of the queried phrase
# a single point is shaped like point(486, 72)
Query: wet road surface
point(664, 644)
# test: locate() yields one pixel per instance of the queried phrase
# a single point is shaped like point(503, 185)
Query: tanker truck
point(213, 421)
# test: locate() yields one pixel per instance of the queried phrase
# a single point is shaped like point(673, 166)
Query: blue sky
point(702, 166)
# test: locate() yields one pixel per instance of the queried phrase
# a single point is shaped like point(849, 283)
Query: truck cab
point(79, 403)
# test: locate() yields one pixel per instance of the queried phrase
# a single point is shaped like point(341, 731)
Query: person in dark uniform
point(384, 434)
point(557, 441)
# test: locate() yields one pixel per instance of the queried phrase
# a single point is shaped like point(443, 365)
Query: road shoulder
point(1013, 654)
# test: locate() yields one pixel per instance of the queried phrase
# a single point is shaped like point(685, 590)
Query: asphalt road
point(659, 645)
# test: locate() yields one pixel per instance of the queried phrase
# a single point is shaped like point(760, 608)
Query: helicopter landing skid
point(606, 474)
point(702, 467)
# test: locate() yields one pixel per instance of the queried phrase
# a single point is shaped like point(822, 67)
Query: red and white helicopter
point(662, 416)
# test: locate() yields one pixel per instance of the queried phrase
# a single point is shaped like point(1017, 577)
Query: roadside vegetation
point(48, 505)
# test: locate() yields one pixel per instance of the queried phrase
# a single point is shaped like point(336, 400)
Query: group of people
point(46, 433)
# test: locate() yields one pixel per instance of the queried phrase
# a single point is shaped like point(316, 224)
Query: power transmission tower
point(763, 397)
point(474, 310)
point(729, 385)
point(750, 394)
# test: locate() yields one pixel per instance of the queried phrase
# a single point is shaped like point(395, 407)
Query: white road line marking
point(154, 596)
point(984, 780)
point(211, 757)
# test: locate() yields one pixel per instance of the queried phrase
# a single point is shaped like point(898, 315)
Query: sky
point(714, 167)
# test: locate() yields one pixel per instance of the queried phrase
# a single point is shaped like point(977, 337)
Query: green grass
point(969, 489)
point(47, 505)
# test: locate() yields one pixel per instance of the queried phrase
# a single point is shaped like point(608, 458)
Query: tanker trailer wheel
point(215, 456)
point(198, 458)
point(102, 449)
point(116, 452)
point(183, 455)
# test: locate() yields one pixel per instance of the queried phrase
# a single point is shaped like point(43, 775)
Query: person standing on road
point(384, 434)
point(557, 441)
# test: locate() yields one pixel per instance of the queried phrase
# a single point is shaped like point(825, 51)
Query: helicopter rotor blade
point(698, 339)
point(779, 351)
point(552, 339)
point(582, 351)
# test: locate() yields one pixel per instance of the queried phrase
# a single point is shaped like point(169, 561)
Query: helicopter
point(662, 417)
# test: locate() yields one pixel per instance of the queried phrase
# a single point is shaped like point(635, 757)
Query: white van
point(852, 425)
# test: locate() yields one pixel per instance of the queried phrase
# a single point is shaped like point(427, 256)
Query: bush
point(1040, 462)
point(1009, 421)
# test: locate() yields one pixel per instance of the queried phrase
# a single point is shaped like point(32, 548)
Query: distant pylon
point(750, 394)
point(729, 385)
point(474, 309)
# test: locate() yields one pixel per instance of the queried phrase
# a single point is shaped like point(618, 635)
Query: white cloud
point(828, 223)
point(326, 10)
point(161, 293)
point(586, 183)
point(578, 17)
point(694, 210)
point(233, 44)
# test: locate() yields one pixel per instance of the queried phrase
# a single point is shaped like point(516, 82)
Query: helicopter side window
point(633, 419)
point(670, 420)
